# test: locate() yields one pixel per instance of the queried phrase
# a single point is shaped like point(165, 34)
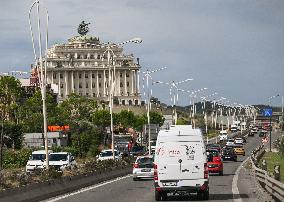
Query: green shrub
point(16, 159)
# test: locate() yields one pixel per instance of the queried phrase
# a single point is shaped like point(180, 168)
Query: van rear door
point(180, 160)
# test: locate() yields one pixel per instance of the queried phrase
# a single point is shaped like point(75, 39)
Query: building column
point(72, 81)
point(59, 85)
point(125, 86)
point(91, 83)
point(132, 82)
point(104, 83)
point(66, 83)
point(52, 76)
point(98, 90)
point(118, 84)
point(84, 84)
point(78, 81)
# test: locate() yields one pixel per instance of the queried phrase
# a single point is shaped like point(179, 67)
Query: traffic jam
point(180, 162)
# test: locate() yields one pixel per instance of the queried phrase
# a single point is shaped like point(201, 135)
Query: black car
point(229, 154)
point(137, 151)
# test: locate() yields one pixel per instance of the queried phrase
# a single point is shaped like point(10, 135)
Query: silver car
point(143, 167)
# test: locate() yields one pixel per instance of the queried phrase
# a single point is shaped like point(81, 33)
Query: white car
point(239, 140)
point(143, 167)
point(107, 155)
point(223, 135)
point(62, 160)
point(36, 160)
point(230, 142)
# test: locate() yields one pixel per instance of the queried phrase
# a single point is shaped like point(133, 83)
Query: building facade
point(82, 66)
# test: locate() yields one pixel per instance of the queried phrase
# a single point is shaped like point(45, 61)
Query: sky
point(232, 47)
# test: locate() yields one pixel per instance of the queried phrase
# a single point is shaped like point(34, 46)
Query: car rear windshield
point(37, 157)
point(58, 157)
point(108, 153)
point(145, 160)
point(137, 149)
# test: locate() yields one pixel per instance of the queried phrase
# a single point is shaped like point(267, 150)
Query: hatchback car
point(214, 162)
point(229, 154)
point(239, 150)
point(143, 167)
point(230, 142)
point(239, 140)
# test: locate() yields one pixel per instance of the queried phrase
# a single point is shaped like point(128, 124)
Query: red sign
point(57, 128)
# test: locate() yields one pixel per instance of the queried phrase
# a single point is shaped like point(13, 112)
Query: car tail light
point(155, 172)
point(205, 171)
point(135, 165)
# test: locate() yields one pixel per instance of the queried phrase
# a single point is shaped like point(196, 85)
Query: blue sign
point(267, 112)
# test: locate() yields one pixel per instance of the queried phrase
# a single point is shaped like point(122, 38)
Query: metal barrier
point(272, 186)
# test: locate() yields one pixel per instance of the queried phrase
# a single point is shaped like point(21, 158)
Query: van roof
point(181, 127)
point(179, 132)
point(41, 152)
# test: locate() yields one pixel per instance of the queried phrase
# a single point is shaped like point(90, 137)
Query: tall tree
point(10, 91)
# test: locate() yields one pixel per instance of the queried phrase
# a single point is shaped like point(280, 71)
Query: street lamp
point(174, 95)
point(42, 77)
point(112, 81)
point(148, 76)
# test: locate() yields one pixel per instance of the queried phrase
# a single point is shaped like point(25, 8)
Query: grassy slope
point(272, 159)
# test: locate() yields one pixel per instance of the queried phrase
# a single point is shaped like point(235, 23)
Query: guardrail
point(272, 186)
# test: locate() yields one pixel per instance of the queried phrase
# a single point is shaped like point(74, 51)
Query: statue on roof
point(83, 28)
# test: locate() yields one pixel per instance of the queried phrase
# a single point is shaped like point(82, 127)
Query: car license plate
point(146, 170)
point(170, 183)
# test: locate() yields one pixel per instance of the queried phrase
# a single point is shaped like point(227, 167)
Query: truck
point(180, 163)
point(36, 160)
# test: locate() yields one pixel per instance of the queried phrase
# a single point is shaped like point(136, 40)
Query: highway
point(125, 189)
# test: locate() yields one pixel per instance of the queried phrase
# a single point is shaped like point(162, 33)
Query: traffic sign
point(267, 112)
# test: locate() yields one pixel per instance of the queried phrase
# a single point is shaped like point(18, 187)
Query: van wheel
point(221, 173)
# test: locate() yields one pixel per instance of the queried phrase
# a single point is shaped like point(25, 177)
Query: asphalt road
point(125, 189)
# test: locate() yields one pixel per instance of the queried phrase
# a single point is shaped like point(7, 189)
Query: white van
point(180, 163)
point(223, 135)
point(36, 160)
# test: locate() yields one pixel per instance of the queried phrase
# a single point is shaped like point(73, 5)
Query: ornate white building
point(81, 66)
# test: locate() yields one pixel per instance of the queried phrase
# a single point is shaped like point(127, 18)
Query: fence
point(271, 185)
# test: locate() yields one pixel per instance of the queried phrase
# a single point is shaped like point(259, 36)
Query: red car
point(214, 162)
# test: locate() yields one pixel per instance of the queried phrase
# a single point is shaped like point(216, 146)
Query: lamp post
point(112, 81)
point(39, 64)
point(174, 96)
point(148, 95)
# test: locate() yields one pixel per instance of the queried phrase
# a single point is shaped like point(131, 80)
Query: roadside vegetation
point(272, 159)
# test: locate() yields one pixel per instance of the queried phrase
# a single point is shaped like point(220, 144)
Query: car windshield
point(145, 160)
point(57, 157)
point(137, 149)
point(230, 140)
point(37, 157)
point(227, 151)
point(108, 153)
point(214, 153)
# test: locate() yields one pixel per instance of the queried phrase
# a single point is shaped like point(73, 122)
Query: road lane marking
point(235, 189)
point(86, 189)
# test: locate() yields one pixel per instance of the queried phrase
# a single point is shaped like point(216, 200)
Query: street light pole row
point(39, 62)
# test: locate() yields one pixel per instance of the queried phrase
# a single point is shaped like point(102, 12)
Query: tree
point(156, 118)
point(126, 119)
point(31, 112)
point(10, 91)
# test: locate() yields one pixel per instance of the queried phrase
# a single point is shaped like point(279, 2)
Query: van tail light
point(135, 165)
point(205, 171)
point(155, 172)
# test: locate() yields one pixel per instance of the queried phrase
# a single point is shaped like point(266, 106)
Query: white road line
point(235, 189)
point(86, 189)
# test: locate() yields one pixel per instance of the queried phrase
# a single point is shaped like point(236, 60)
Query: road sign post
point(268, 113)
